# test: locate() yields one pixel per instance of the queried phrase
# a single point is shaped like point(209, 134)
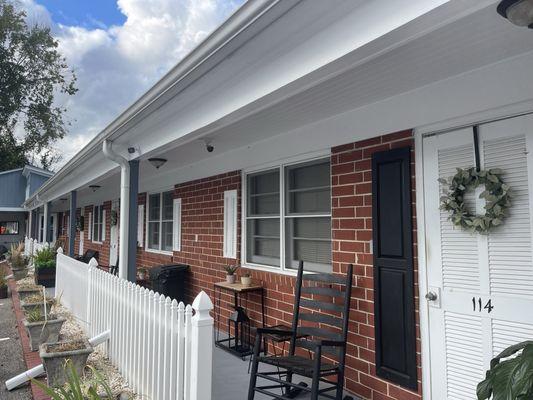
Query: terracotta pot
point(230, 278)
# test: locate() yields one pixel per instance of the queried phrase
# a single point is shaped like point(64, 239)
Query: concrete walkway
point(11, 360)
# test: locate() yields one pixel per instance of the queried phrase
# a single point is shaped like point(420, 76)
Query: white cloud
point(116, 65)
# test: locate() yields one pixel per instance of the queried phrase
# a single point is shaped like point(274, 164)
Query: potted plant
point(230, 273)
point(28, 289)
point(142, 274)
point(246, 279)
point(509, 378)
point(19, 262)
point(3, 284)
point(37, 302)
point(94, 389)
point(45, 267)
point(56, 355)
point(42, 328)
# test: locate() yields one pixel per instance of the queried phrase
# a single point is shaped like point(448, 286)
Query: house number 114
point(477, 304)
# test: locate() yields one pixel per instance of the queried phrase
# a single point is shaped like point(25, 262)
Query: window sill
point(163, 252)
point(271, 269)
point(97, 242)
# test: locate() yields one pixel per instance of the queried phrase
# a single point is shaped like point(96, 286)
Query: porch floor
point(231, 378)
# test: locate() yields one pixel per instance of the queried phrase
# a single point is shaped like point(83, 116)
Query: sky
point(118, 50)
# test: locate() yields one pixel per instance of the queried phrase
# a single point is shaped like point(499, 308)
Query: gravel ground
point(11, 361)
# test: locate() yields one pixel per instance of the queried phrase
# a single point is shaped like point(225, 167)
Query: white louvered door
point(483, 283)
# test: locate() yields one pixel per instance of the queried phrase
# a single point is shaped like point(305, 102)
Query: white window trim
point(92, 224)
point(230, 226)
point(140, 225)
point(176, 228)
point(147, 215)
point(321, 155)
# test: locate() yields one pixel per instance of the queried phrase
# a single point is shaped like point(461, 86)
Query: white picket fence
point(161, 349)
point(32, 246)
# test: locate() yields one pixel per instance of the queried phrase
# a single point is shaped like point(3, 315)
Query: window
point(98, 218)
point(160, 221)
point(288, 216)
point(9, 228)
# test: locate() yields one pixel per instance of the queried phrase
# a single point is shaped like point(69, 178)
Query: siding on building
point(36, 181)
point(13, 192)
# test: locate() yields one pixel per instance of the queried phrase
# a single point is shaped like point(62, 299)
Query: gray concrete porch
point(231, 378)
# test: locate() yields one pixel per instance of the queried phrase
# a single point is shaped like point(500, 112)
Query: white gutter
point(107, 148)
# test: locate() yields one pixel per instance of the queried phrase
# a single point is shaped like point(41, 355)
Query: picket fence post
point(201, 348)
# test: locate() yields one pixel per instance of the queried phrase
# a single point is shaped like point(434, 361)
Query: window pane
point(153, 235)
point(263, 241)
point(168, 206)
point(308, 188)
point(155, 204)
point(309, 240)
point(9, 228)
point(263, 193)
point(167, 236)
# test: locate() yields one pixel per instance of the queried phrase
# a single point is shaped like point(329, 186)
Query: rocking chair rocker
point(324, 332)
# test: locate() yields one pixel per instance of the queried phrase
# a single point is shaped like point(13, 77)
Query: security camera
point(209, 147)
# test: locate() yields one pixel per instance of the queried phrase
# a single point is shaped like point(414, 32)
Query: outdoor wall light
point(157, 162)
point(518, 12)
point(94, 187)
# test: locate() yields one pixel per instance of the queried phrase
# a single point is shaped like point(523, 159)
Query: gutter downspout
point(107, 148)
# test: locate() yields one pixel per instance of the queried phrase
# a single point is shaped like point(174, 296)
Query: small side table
point(238, 290)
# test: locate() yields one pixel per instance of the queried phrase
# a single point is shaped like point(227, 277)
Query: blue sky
point(87, 13)
point(119, 49)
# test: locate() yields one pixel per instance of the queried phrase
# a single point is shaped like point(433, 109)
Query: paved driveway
point(11, 361)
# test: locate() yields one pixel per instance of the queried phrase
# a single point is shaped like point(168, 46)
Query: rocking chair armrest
point(274, 331)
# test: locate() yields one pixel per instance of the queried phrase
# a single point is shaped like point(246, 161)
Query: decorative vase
point(246, 280)
point(230, 278)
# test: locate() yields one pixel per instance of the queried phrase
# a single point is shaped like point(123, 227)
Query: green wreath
point(497, 196)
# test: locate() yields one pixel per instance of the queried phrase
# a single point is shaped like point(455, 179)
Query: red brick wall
point(202, 215)
point(352, 235)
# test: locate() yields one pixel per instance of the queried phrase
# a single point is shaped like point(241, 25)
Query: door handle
point(431, 296)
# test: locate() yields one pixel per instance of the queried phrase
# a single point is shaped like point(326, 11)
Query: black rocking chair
point(319, 325)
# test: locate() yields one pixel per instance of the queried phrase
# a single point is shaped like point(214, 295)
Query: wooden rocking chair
point(320, 325)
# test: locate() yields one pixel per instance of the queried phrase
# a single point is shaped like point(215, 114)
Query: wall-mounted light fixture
point(157, 162)
point(518, 12)
point(94, 187)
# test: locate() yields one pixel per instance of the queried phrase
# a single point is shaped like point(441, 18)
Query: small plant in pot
point(42, 328)
point(37, 302)
point(45, 267)
point(95, 388)
point(27, 290)
point(56, 355)
point(230, 273)
point(510, 375)
point(246, 279)
point(19, 262)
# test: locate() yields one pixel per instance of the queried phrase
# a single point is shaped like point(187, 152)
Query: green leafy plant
point(509, 378)
point(74, 389)
point(45, 258)
point(231, 269)
point(34, 315)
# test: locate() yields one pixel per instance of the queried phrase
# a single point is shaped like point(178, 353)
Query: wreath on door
point(497, 196)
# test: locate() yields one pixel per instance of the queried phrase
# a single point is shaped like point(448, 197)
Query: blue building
point(16, 186)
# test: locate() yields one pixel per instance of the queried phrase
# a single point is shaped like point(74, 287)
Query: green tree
point(32, 74)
